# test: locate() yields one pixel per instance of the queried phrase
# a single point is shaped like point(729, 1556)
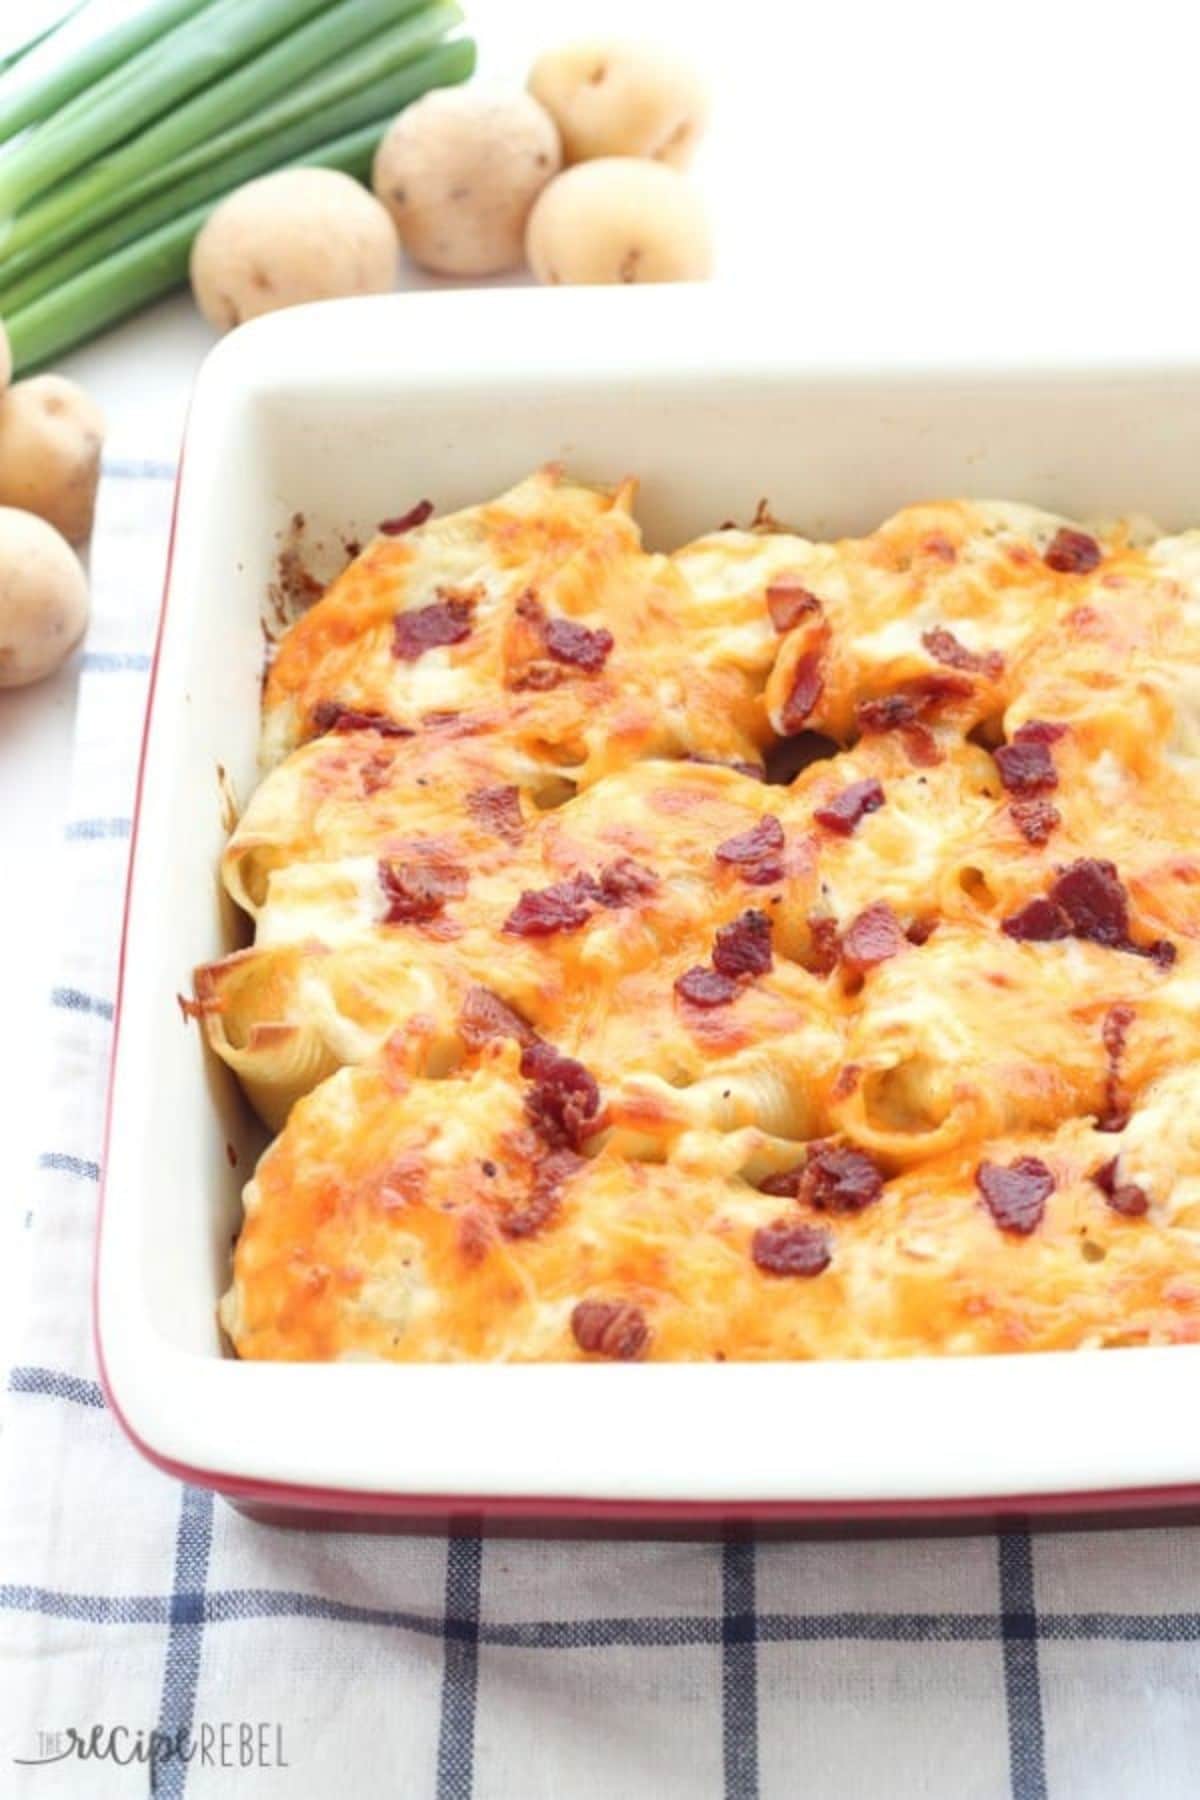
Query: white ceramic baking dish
point(348, 413)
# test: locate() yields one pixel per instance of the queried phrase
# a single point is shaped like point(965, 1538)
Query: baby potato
point(458, 173)
point(618, 219)
point(621, 99)
point(51, 435)
point(282, 239)
point(43, 598)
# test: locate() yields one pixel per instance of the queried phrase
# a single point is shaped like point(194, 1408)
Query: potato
point(51, 435)
point(615, 99)
point(618, 219)
point(459, 172)
point(5, 358)
point(43, 598)
point(296, 235)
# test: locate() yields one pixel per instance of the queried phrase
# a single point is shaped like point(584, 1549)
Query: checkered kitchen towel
point(970, 1669)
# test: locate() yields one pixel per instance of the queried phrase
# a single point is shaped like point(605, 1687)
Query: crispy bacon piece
point(545, 1196)
point(706, 987)
point(485, 1016)
point(833, 1178)
point(871, 938)
point(443, 622)
point(743, 947)
point(1037, 922)
point(945, 648)
point(1114, 1114)
point(757, 854)
point(1016, 1194)
point(1035, 818)
point(612, 1328)
point(497, 809)
point(1072, 552)
point(1026, 765)
point(330, 715)
point(787, 1248)
point(417, 892)
point(568, 905)
point(565, 906)
point(416, 515)
point(808, 684)
point(824, 946)
point(789, 601)
point(844, 811)
point(624, 881)
point(1093, 897)
point(1124, 1197)
point(569, 642)
point(908, 709)
point(564, 1101)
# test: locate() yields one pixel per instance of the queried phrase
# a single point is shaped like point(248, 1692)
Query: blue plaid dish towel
point(156, 1642)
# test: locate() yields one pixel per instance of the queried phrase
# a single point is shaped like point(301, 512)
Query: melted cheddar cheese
point(778, 949)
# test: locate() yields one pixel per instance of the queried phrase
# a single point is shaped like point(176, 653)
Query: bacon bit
point(1037, 922)
point(1035, 818)
point(417, 892)
point(1093, 897)
point(1124, 1197)
point(564, 1100)
point(744, 947)
point(624, 881)
point(565, 906)
point(757, 854)
point(330, 715)
point(408, 521)
point(485, 1016)
point(844, 811)
point(871, 938)
point(568, 905)
point(569, 642)
point(920, 931)
point(1016, 1196)
point(1039, 731)
point(611, 1328)
point(788, 601)
point(544, 1195)
point(824, 947)
point(1026, 766)
point(497, 809)
point(431, 627)
point(706, 987)
point(808, 684)
point(945, 648)
point(1114, 1115)
point(1072, 552)
point(785, 1248)
point(907, 709)
point(832, 1178)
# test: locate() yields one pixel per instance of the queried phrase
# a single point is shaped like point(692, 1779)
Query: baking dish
point(344, 414)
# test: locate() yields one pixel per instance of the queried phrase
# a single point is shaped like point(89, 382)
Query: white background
point(994, 174)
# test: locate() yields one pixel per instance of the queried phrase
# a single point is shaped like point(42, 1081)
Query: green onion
point(233, 116)
point(152, 265)
point(188, 60)
point(265, 146)
point(23, 101)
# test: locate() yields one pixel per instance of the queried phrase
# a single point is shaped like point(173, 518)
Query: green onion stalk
point(151, 265)
point(191, 59)
point(282, 135)
point(193, 139)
